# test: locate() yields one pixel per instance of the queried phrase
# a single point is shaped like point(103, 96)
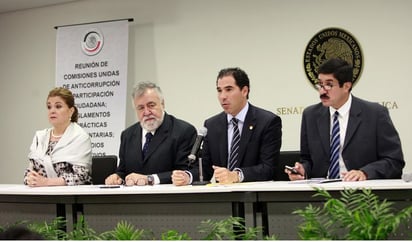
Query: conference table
point(69, 201)
point(258, 195)
point(278, 193)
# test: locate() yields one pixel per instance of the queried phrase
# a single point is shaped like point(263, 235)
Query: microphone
point(201, 133)
point(407, 177)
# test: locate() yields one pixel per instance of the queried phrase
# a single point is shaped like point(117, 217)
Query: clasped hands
point(352, 175)
point(224, 175)
point(35, 179)
point(221, 175)
point(130, 180)
point(180, 178)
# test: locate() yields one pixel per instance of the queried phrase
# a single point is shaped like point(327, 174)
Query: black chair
point(103, 166)
point(286, 158)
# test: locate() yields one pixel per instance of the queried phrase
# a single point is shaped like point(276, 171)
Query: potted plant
point(357, 215)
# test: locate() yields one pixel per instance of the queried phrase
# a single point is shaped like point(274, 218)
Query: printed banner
point(91, 61)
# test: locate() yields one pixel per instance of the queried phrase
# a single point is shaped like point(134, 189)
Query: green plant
point(50, 231)
point(82, 231)
point(126, 231)
point(271, 237)
point(7, 226)
point(174, 235)
point(228, 229)
point(357, 215)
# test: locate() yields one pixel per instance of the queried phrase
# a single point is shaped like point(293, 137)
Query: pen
point(110, 186)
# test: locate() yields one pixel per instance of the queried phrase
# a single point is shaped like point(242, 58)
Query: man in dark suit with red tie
point(369, 145)
point(156, 145)
point(256, 134)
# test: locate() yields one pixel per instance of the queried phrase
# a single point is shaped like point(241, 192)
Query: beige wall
point(181, 44)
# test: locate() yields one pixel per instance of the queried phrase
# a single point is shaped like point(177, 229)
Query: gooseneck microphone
point(201, 133)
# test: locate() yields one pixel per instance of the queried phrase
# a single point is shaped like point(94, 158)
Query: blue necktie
point(149, 136)
point(334, 149)
point(234, 147)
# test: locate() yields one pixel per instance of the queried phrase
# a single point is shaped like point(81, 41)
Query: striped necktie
point(234, 147)
point(334, 149)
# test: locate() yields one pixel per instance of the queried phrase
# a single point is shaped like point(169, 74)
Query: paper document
point(316, 180)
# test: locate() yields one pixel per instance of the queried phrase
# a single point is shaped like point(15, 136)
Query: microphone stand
point(201, 181)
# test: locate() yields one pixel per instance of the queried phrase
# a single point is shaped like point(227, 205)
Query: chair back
point(286, 158)
point(102, 167)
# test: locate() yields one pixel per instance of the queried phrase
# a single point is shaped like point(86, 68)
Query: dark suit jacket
point(259, 149)
point(372, 143)
point(168, 149)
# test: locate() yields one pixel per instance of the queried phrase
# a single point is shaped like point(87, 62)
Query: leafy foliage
point(126, 231)
point(174, 235)
point(7, 226)
point(231, 228)
point(357, 215)
point(50, 231)
point(82, 231)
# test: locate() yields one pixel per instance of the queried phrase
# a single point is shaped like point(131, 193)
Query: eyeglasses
point(326, 87)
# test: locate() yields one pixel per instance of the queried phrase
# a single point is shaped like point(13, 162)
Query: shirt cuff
point(190, 177)
point(156, 179)
point(240, 174)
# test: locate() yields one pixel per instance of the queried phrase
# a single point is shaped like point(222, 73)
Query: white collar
point(344, 109)
point(241, 116)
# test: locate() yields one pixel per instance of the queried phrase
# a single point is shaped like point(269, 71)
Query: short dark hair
point(340, 69)
point(240, 76)
point(20, 233)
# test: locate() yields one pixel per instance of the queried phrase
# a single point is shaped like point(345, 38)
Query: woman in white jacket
point(60, 155)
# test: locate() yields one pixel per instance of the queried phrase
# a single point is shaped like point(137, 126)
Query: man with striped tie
point(345, 137)
point(242, 142)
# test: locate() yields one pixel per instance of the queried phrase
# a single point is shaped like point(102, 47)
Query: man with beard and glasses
point(344, 137)
point(156, 145)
